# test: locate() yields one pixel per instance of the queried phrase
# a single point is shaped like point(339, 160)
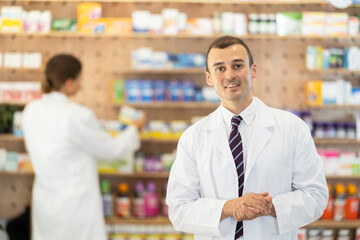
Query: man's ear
point(209, 79)
point(253, 71)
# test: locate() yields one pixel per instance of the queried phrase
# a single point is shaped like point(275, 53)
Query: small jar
point(271, 28)
point(314, 234)
point(217, 22)
point(328, 234)
point(344, 234)
point(340, 130)
point(263, 23)
point(350, 131)
point(330, 130)
point(253, 23)
point(319, 130)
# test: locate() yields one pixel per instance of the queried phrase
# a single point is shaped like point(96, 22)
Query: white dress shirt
point(246, 126)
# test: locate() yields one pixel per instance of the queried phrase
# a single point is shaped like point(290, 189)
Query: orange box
point(118, 25)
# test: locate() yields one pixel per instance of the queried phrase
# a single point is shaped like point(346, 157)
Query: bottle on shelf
point(351, 203)
point(123, 201)
point(327, 234)
point(151, 200)
point(314, 234)
point(139, 203)
point(344, 234)
point(339, 209)
point(107, 198)
point(329, 211)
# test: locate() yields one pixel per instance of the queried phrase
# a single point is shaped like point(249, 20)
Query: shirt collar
point(55, 95)
point(247, 114)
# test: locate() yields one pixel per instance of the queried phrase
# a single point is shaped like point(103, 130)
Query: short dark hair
point(58, 69)
point(226, 41)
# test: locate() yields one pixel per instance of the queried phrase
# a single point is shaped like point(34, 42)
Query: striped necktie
point(236, 148)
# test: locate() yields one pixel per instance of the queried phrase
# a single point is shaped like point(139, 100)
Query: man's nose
point(229, 74)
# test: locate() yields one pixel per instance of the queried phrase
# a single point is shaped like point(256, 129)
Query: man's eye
point(238, 66)
point(220, 69)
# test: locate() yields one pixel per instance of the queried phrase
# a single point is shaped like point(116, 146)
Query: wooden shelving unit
point(163, 71)
point(336, 141)
point(63, 34)
point(256, 2)
point(144, 175)
point(335, 224)
point(159, 140)
point(10, 138)
point(168, 105)
point(22, 70)
point(159, 220)
point(335, 107)
point(336, 71)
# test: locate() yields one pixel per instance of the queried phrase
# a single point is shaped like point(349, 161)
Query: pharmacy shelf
point(173, 105)
point(164, 71)
point(159, 220)
point(61, 34)
point(145, 175)
point(10, 138)
point(160, 140)
point(238, 2)
point(335, 107)
point(336, 141)
point(336, 71)
point(15, 103)
point(338, 177)
point(17, 174)
point(22, 70)
point(334, 224)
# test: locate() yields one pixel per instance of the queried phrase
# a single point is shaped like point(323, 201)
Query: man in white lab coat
point(276, 185)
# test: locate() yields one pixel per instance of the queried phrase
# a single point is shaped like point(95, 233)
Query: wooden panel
point(15, 194)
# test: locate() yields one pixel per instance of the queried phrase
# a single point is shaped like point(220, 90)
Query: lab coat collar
point(55, 96)
point(263, 128)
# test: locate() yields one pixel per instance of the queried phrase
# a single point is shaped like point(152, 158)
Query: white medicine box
point(12, 60)
point(32, 60)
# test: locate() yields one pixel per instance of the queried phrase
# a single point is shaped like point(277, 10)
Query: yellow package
point(10, 25)
point(313, 93)
point(93, 26)
point(88, 12)
point(118, 25)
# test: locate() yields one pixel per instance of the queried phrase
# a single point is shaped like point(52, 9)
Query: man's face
point(230, 73)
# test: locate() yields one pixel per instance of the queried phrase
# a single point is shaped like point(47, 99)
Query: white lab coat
point(282, 160)
point(64, 139)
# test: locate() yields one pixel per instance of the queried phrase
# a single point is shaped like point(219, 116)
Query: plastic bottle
point(107, 198)
point(328, 234)
point(139, 203)
point(329, 211)
point(357, 237)
point(351, 203)
point(123, 201)
point(151, 201)
point(165, 208)
point(339, 209)
point(314, 234)
point(344, 234)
